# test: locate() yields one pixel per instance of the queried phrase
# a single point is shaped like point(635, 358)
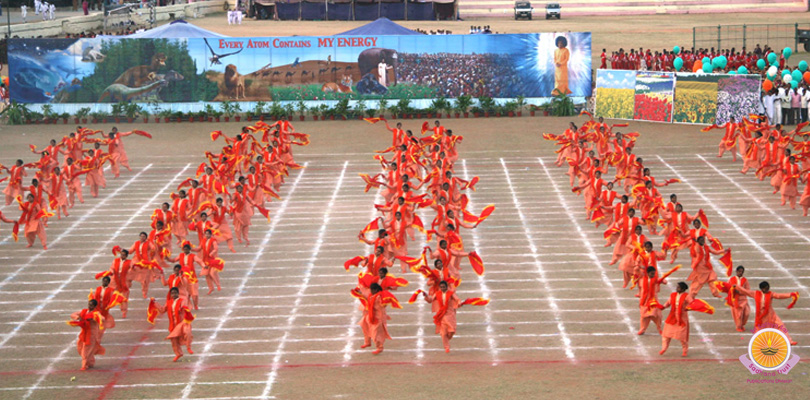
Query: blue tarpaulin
point(176, 29)
point(381, 26)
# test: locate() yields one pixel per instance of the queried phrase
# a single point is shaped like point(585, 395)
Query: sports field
point(284, 324)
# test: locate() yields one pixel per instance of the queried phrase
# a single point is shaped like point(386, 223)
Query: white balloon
point(772, 70)
point(787, 78)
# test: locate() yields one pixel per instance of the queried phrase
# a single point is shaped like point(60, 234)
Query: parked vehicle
point(552, 10)
point(523, 9)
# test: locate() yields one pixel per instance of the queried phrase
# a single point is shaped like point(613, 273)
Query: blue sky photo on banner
point(103, 70)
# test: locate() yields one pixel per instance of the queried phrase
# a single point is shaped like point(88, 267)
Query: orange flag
point(103, 274)
point(703, 219)
point(726, 261)
point(700, 306)
point(151, 312)
point(353, 262)
point(370, 182)
point(475, 301)
point(372, 226)
point(374, 120)
point(142, 133)
point(215, 135)
point(389, 299)
point(412, 262)
point(414, 296)
point(795, 297)
point(476, 262)
point(670, 272)
point(417, 223)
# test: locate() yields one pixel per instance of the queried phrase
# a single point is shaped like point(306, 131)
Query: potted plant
point(360, 109)
point(156, 110)
point(276, 111)
point(118, 110)
point(315, 111)
point(258, 111)
point(98, 116)
point(430, 111)
point(324, 111)
point(48, 114)
point(440, 105)
point(145, 115)
point(510, 107)
point(166, 115)
point(208, 112)
point(289, 110)
point(302, 109)
point(227, 109)
point(487, 105)
point(64, 117)
point(36, 117)
point(236, 110)
point(342, 108)
point(562, 106)
point(382, 107)
point(132, 110)
point(463, 104)
point(17, 113)
point(402, 107)
point(520, 101)
point(81, 115)
point(370, 112)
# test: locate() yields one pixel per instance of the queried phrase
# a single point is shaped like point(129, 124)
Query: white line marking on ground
point(72, 227)
point(271, 377)
point(349, 349)
point(602, 272)
point(265, 243)
point(566, 341)
point(101, 250)
point(482, 283)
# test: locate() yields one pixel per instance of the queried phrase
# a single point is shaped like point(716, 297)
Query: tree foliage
point(125, 53)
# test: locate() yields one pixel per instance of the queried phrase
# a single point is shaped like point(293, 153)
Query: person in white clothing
point(767, 102)
point(805, 92)
point(777, 105)
point(23, 12)
point(37, 5)
point(51, 11)
point(230, 17)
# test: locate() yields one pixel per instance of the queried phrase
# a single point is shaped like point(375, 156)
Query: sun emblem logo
point(769, 349)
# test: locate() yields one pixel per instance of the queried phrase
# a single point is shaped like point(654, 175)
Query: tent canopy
point(381, 26)
point(176, 29)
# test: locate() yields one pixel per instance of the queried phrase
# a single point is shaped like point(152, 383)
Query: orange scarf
point(676, 309)
point(763, 304)
point(444, 299)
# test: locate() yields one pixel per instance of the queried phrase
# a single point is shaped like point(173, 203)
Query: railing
point(777, 36)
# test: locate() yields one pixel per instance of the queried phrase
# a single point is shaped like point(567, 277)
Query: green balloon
point(787, 52)
point(742, 70)
point(802, 65)
point(794, 84)
point(785, 72)
point(678, 62)
point(771, 57)
point(707, 68)
point(676, 50)
point(797, 75)
point(761, 64)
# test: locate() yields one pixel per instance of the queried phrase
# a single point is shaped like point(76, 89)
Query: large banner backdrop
point(676, 97)
point(104, 70)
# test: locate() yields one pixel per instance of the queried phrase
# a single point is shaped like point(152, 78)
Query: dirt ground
point(284, 325)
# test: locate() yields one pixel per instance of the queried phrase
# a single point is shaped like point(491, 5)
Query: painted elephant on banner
point(371, 60)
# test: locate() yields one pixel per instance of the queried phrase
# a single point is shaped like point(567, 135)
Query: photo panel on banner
point(654, 92)
point(615, 93)
point(113, 69)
